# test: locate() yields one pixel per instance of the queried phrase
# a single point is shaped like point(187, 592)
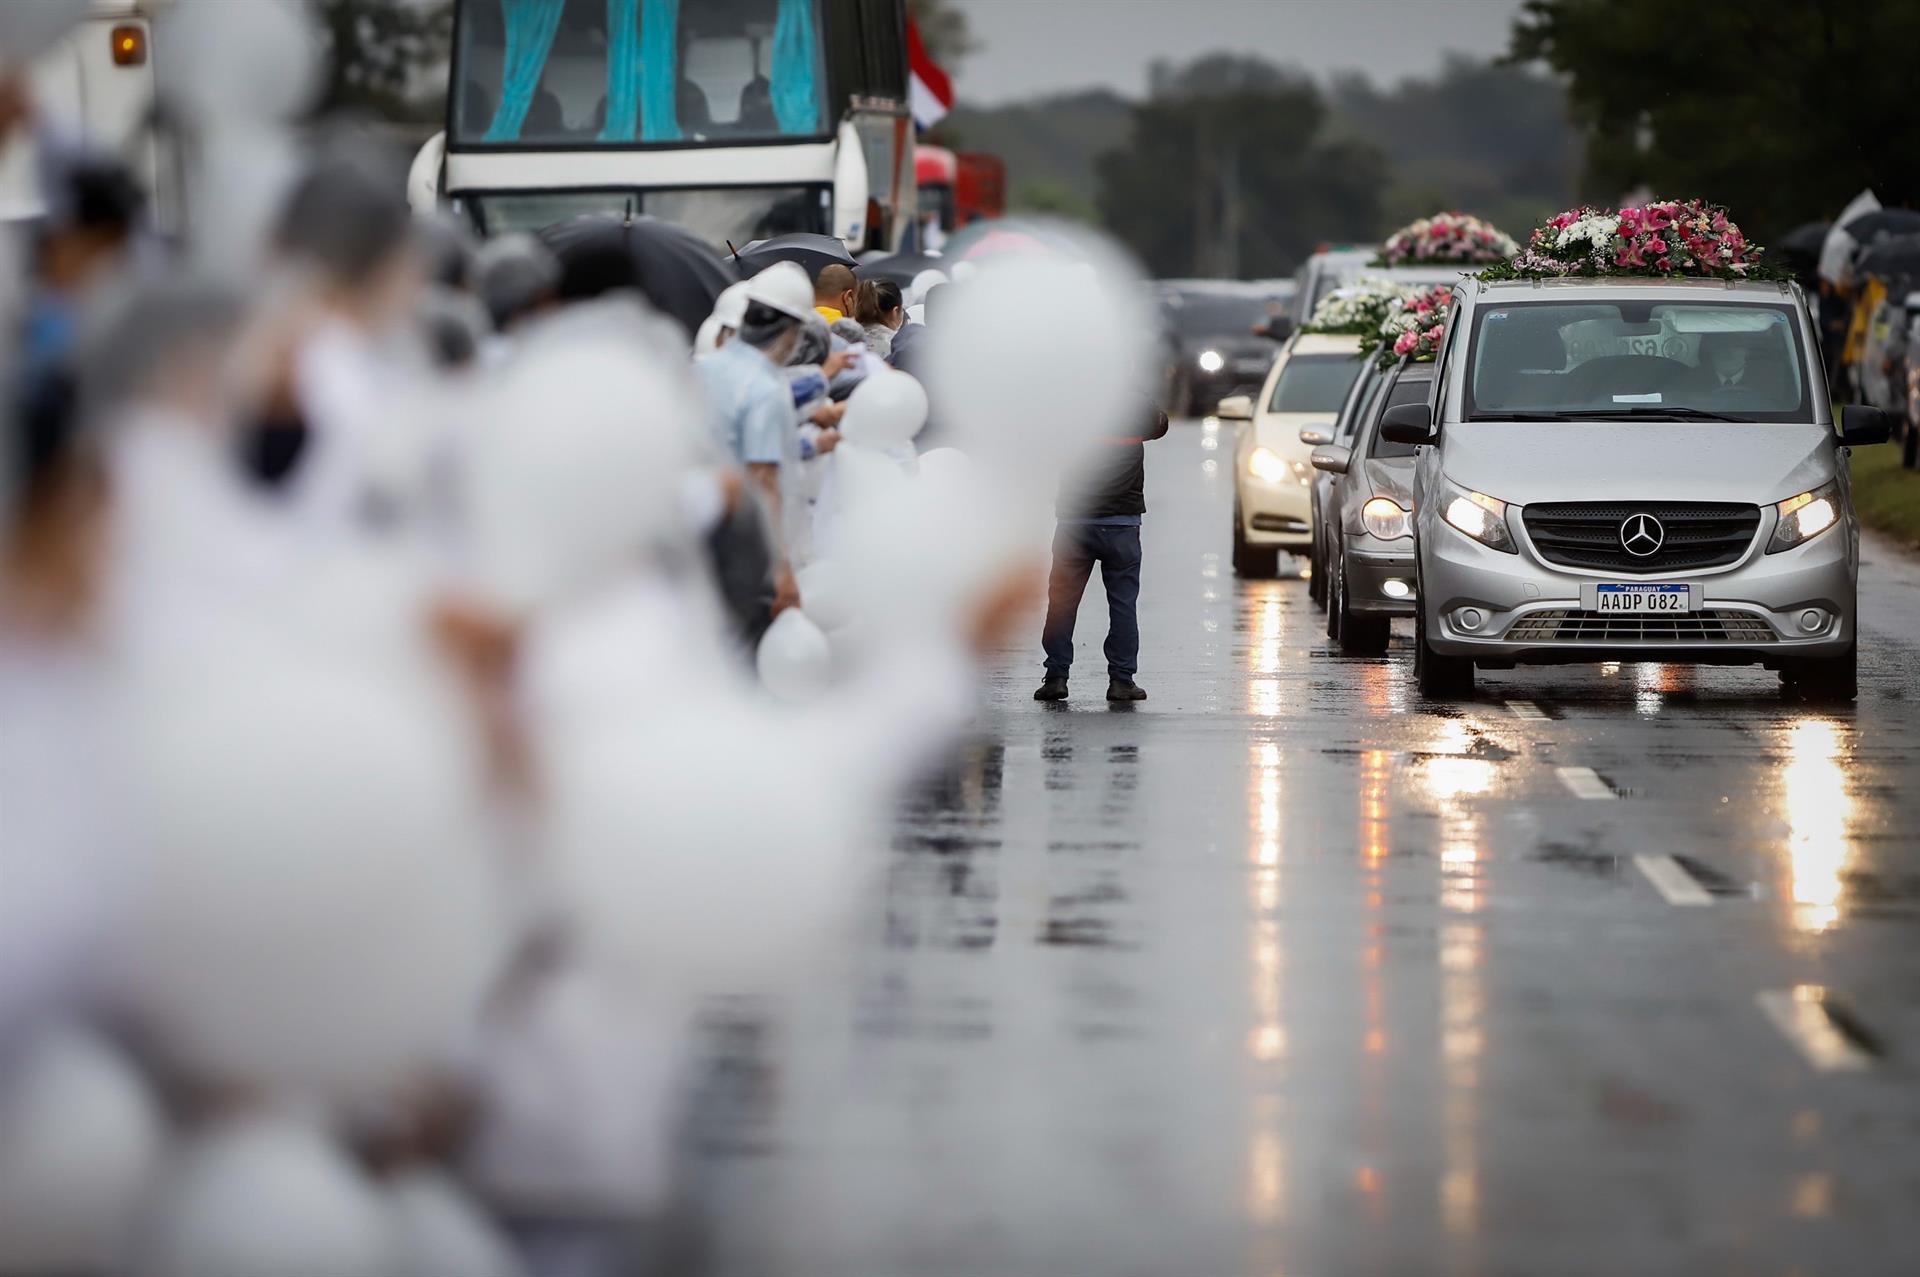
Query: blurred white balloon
point(267, 1194)
point(795, 661)
point(824, 594)
point(863, 475)
point(240, 174)
point(713, 851)
point(440, 1233)
point(942, 465)
point(80, 1141)
point(257, 62)
point(573, 474)
point(1028, 408)
point(886, 411)
point(319, 907)
point(923, 283)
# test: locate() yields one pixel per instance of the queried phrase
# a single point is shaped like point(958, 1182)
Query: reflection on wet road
point(1285, 971)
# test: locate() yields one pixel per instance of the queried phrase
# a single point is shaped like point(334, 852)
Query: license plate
point(1642, 598)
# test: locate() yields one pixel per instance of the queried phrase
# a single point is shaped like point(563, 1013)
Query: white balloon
point(80, 1141)
point(257, 61)
point(923, 283)
point(941, 465)
point(440, 1233)
point(319, 908)
point(268, 1194)
point(1028, 409)
point(863, 475)
point(795, 660)
point(824, 594)
point(574, 473)
point(886, 411)
point(715, 852)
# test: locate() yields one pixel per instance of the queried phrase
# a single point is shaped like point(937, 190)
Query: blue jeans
point(1076, 548)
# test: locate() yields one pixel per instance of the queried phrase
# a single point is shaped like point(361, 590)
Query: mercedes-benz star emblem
point(1642, 536)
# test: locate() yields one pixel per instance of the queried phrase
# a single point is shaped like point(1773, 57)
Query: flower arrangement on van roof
point(1355, 310)
point(1447, 238)
point(1683, 238)
point(1415, 328)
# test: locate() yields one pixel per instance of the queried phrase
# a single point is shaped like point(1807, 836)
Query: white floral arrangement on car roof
point(1448, 239)
point(1416, 327)
point(1683, 238)
point(1357, 309)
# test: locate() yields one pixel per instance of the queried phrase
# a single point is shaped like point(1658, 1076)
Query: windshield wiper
point(1648, 412)
point(1664, 412)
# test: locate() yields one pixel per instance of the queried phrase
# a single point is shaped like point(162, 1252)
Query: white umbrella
point(1836, 254)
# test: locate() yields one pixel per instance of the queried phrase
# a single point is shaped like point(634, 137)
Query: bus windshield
point(580, 73)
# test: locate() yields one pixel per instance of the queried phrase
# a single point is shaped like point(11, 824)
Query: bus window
point(574, 73)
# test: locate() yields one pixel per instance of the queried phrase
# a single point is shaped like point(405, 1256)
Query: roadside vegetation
point(1886, 495)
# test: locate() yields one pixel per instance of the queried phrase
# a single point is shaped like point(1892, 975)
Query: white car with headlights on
point(1272, 466)
point(1634, 469)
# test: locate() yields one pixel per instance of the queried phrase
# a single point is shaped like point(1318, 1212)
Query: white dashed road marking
point(1585, 783)
point(1673, 882)
point(1801, 1015)
point(1527, 710)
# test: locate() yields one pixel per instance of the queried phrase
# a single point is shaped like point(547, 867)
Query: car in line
point(1368, 519)
point(1359, 401)
point(1272, 467)
point(1217, 340)
point(1634, 469)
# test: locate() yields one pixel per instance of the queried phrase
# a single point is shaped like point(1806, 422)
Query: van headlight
point(1479, 516)
point(1806, 516)
point(1386, 519)
point(1269, 466)
point(1211, 361)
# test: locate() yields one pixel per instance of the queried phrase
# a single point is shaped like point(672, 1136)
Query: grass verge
point(1887, 497)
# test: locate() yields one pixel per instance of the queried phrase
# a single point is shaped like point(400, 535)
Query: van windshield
point(1675, 360)
point(579, 73)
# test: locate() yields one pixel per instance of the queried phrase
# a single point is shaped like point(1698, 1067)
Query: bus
point(95, 85)
point(738, 119)
point(955, 191)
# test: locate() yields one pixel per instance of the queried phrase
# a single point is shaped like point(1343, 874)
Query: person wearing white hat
point(752, 403)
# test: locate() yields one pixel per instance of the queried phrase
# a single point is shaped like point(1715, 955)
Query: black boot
point(1125, 689)
point(1054, 689)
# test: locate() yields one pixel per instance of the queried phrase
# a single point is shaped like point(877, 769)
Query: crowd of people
point(426, 686)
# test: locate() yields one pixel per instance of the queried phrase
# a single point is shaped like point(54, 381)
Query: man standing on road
point(834, 292)
point(753, 406)
point(1099, 522)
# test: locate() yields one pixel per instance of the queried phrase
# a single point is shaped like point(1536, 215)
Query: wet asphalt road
point(1286, 972)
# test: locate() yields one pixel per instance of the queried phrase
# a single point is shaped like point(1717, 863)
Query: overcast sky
point(1041, 46)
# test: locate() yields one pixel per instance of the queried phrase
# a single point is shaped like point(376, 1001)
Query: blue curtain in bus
point(531, 27)
point(796, 68)
point(659, 77)
point(623, 71)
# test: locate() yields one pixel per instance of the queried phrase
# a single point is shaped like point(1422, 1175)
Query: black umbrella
point(902, 268)
point(814, 253)
point(1804, 241)
point(1882, 222)
point(1897, 257)
point(680, 273)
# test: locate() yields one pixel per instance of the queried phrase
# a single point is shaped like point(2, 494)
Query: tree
point(379, 51)
point(1779, 109)
point(1484, 138)
point(1227, 174)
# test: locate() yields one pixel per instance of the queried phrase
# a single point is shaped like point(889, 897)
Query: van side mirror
point(1235, 408)
point(1410, 423)
point(1861, 426)
point(1332, 458)
point(1316, 436)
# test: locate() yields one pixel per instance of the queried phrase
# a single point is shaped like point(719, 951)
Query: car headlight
point(1211, 361)
point(1479, 516)
point(1268, 465)
point(1386, 519)
point(1806, 516)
